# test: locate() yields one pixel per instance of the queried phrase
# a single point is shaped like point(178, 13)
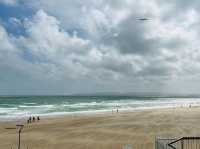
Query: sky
point(94, 46)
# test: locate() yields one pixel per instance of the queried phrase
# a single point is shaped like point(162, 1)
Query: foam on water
point(14, 108)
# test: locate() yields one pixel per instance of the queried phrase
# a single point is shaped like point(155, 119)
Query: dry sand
point(104, 131)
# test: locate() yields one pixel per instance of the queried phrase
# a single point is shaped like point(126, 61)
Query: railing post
point(182, 144)
point(156, 145)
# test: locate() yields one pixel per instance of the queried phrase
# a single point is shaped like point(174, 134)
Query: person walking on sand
point(29, 119)
point(33, 119)
point(38, 118)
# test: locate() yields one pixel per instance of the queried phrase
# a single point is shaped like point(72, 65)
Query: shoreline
point(59, 115)
point(45, 108)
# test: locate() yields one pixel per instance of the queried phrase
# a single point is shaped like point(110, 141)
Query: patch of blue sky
point(30, 57)
point(18, 12)
point(78, 32)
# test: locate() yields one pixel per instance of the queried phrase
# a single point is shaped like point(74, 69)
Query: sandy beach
point(104, 131)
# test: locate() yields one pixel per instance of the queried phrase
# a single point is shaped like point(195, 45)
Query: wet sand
point(104, 131)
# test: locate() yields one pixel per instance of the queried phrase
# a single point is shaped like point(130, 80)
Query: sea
point(18, 107)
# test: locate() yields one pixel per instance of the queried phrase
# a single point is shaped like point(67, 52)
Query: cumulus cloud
point(104, 45)
point(70, 53)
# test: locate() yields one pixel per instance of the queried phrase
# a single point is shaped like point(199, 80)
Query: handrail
point(183, 138)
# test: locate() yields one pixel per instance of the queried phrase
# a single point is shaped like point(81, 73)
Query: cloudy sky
point(88, 46)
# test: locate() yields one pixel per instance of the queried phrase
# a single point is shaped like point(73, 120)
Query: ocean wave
point(88, 106)
point(30, 103)
point(36, 106)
